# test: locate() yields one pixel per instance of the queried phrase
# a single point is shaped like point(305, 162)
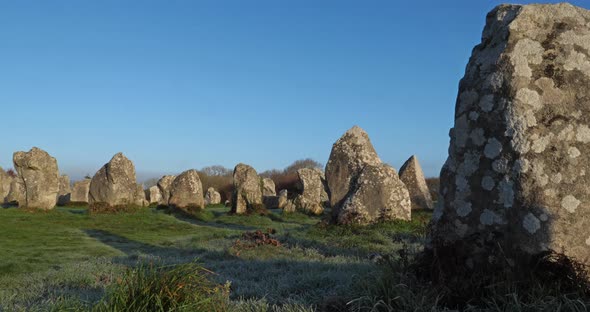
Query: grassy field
point(67, 259)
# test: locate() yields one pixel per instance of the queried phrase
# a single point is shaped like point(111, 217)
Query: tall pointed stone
point(247, 195)
point(164, 184)
point(515, 183)
point(413, 177)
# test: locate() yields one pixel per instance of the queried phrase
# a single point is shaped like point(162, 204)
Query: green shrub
point(149, 287)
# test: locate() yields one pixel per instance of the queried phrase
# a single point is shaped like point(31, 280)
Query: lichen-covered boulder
point(155, 197)
point(212, 197)
point(310, 188)
point(363, 190)
point(164, 185)
point(516, 180)
point(413, 177)
point(65, 190)
point(5, 181)
point(16, 194)
point(186, 192)
point(114, 185)
point(350, 154)
point(379, 195)
point(268, 187)
point(282, 200)
point(247, 194)
point(80, 191)
point(39, 176)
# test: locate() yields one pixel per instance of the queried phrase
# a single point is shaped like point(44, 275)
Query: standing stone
point(516, 180)
point(186, 192)
point(65, 191)
point(268, 187)
point(155, 197)
point(247, 195)
point(362, 189)
point(212, 197)
point(114, 185)
point(413, 177)
point(325, 197)
point(283, 197)
point(17, 192)
point(310, 187)
point(140, 199)
point(164, 185)
point(39, 175)
point(80, 191)
point(5, 181)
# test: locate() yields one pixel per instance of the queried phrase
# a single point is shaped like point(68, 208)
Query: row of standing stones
point(364, 190)
point(515, 182)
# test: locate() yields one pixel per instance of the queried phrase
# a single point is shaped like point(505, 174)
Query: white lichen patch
point(462, 208)
point(529, 97)
point(493, 81)
point(577, 61)
point(573, 152)
point(541, 178)
point(570, 203)
point(473, 116)
point(516, 126)
point(488, 183)
point(583, 134)
point(489, 217)
point(467, 100)
point(461, 131)
point(500, 165)
point(588, 241)
point(556, 178)
point(506, 193)
point(566, 134)
point(526, 51)
point(462, 184)
point(550, 192)
point(570, 37)
point(493, 148)
point(521, 165)
point(531, 223)
point(540, 142)
point(470, 164)
point(543, 217)
point(486, 103)
point(477, 136)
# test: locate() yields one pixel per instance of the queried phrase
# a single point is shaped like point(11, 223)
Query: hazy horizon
point(178, 85)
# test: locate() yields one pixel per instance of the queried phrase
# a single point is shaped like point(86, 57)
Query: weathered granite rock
point(164, 185)
point(283, 197)
point(310, 187)
point(186, 192)
point(413, 177)
point(5, 181)
point(379, 195)
point(140, 198)
point(39, 176)
point(350, 154)
point(16, 194)
point(362, 189)
point(212, 197)
point(516, 180)
point(325, 197)
point(65, 190)
point(268, 187)
point(80, 191)
point(247, 195)
point(114, 185)
point(155, 197)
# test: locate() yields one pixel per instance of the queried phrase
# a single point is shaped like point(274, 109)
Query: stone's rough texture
point(155, 197)
point(140, 199)
point(39, 176)
point(379, 196)
point(362, 189)
point(520, 186)
point(247, 195)
point(310, 189)
point(325, 197)
point(268, 187)
point(114, 185)
point(282, 200)
point(186, 192)
point(413, 177)
point(65, 190)
point(5, 181)
point(80, 191)
point(212, 197)
point(164, 185)
point(350, 154)
point(17, 192)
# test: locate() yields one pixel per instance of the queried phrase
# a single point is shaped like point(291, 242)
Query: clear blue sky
point(186, 84)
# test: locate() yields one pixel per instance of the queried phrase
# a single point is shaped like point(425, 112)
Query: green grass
point(68, 259)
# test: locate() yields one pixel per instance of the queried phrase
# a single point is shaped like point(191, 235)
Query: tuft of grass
point(151, 287)
point(104, 208)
